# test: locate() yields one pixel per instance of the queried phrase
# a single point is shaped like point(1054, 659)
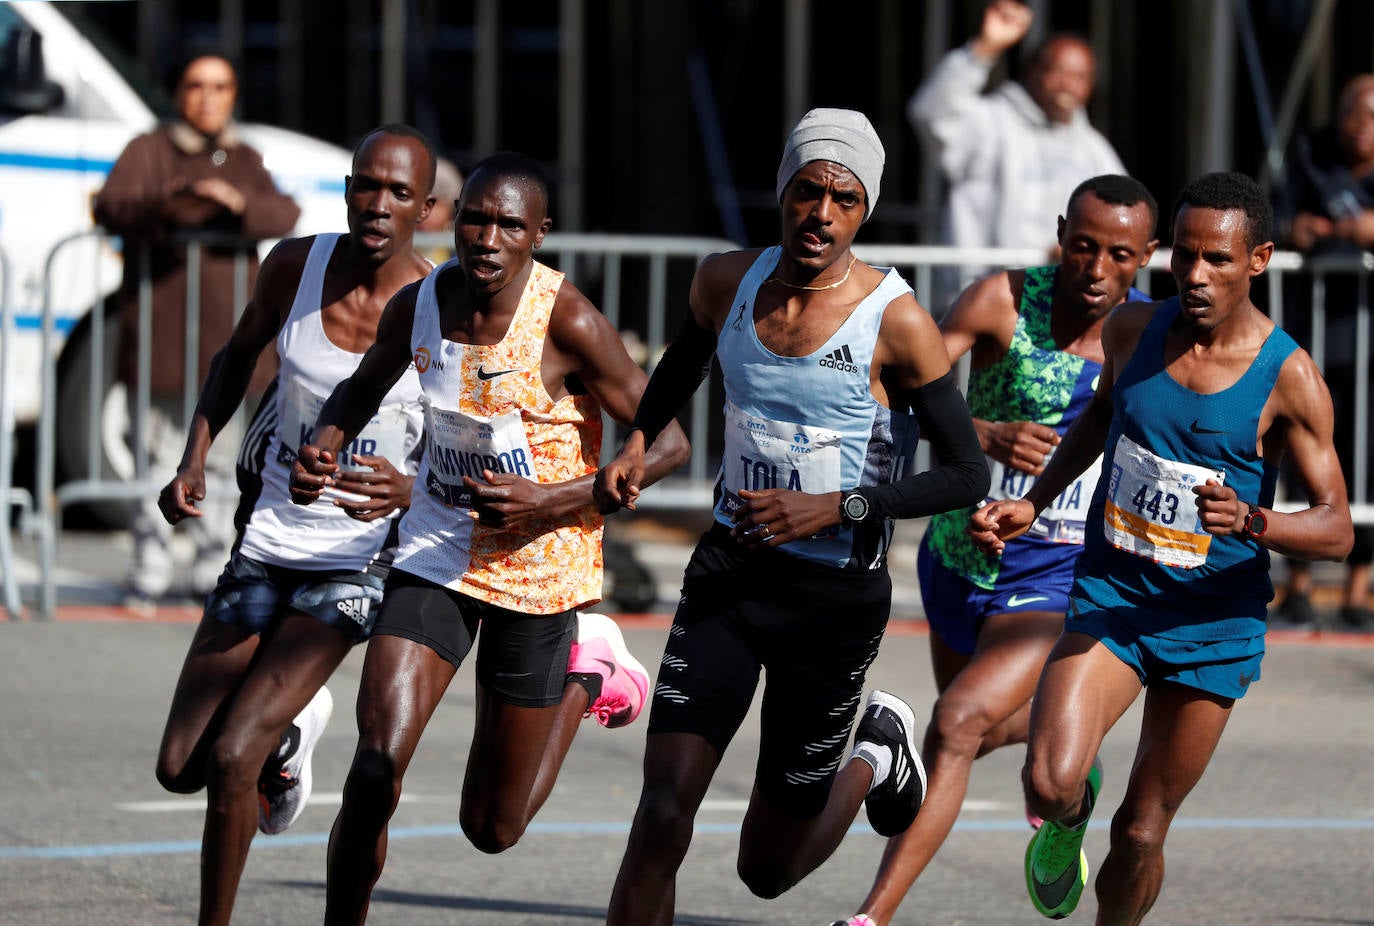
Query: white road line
point(197, 802)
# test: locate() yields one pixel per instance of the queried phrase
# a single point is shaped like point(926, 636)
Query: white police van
point(65, 116)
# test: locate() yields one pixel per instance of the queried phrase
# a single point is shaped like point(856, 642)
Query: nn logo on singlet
point(840, 359)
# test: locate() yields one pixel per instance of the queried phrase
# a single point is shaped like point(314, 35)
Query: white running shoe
point(284, 785)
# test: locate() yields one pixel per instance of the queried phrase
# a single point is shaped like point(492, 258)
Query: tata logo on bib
point(422, 360)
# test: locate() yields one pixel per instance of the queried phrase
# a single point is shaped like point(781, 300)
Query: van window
point(8, 20)
point(149, 90)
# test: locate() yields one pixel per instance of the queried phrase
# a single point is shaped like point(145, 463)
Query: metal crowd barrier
point(641, 283)
point(11, 496)
point(105, 398)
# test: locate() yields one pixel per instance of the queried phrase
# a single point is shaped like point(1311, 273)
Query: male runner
point(302, 585)
point(828, 366)
point(1035, 336)
point(503, 532)
point(1199, 399)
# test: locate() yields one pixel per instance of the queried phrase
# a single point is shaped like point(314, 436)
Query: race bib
point(1065, 519)
point(765, 454)
point(383, 436)
point(463, 445)
point(1151, 510)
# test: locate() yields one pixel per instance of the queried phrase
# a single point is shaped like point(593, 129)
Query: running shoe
point(600, 650)
point(859, 919)
point(892, 803)
point(284, 785)
point(1056, 868)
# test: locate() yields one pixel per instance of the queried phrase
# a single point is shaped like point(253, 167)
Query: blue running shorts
point(253, 595)
point(956, 608)
point(1220, 667)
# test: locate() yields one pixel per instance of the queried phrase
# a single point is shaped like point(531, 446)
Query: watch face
point(1256, 524)
point(855, 507)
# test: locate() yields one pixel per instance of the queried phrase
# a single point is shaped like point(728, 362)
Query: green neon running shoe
point(1056, 868)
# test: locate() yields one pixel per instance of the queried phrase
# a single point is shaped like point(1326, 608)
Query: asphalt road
point(1281, 830)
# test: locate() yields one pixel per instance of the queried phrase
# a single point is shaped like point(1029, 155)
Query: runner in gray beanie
point(843, 136)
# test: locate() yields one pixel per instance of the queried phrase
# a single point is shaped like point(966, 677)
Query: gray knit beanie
point(843, 136)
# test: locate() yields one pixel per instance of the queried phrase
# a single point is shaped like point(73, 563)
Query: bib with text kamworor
point(463, 445)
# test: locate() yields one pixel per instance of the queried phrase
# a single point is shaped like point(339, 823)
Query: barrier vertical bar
point(47, 497)
point(190, 381)
point(610, 307)
point(95, 389)
point(13, 603)
point(1361, 458)
point(143, 389)
point(1275, 283)
point(1319, 319)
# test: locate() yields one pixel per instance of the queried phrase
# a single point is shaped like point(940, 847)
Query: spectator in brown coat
point(189, 175)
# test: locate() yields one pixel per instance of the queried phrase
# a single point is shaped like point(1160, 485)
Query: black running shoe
point(892, 803)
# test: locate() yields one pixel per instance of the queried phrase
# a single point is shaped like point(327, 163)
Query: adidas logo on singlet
point(840, 359)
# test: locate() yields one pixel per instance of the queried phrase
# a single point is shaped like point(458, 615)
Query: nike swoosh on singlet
point(1015, 601)
point(1199, 429)
point(484, 375)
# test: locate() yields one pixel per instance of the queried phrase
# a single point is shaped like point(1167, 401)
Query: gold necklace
point(817, 289)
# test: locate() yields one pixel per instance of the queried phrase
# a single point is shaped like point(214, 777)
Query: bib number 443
point(1159, 506)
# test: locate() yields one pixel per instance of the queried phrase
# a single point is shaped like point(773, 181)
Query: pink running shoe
point(600, 650)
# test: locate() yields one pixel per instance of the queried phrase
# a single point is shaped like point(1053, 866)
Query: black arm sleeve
point(684, 365)
point(960, 477)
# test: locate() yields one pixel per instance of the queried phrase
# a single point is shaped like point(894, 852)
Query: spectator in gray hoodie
point(1011, 157)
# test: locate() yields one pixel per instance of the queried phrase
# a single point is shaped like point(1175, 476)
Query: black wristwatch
point(853, 508)
point(1255, 523)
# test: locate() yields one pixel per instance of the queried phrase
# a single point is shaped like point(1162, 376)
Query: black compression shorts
point(522, 658)
point(814, 628)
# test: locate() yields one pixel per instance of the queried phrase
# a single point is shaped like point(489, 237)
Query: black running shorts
point(815, 629)
point(522, 658)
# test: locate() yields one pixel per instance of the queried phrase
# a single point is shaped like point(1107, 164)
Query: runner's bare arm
point(684, 366)
point(583, 348)
point(982, 321)
point(231, 370)
point(1300, 425)
point(617, 383)
point(994, 524)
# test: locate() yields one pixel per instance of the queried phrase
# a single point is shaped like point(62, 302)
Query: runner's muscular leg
point(215, 665)
point(402, 683)
point(981, 701)
point(678, 768)
point(509, 743)
point(1179, 732)
point(293, 661)
point(566, 723)
point(776, 851)
point(1083, 691)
